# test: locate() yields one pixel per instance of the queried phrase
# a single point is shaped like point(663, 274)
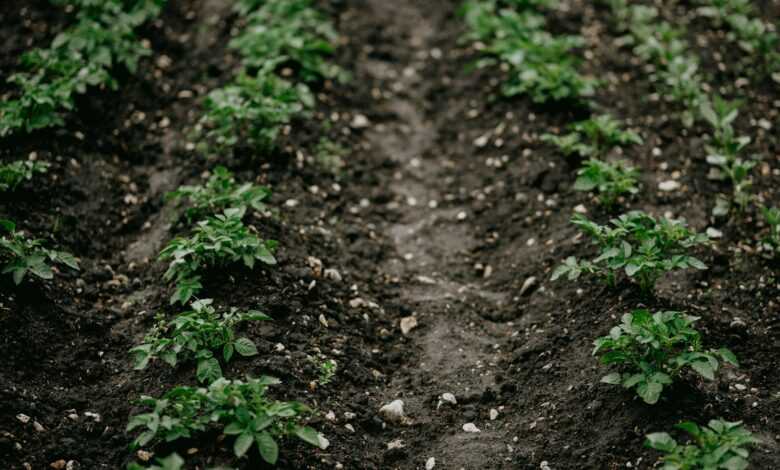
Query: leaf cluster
point(540, 64)
point(220, 192)
point(15, 173)
point(593, 138)
point(250, 111)
point(723, 153)
point(287, 31)
point(20, 255)
point(609, 180)
point(719, 445)
point(78, 58)
point(652, 350)
point(239, 408)
point(197, 334)
point(638, 245)
point(216, 241)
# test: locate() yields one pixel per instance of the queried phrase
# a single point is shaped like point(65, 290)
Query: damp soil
point(448, 211)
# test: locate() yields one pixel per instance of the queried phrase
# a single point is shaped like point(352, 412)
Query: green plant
point(772, 240)
point(80, 57)
point(216, 241)
point(219, 193)
point(540, 65)
point(637, 244)
point(750, 33)
point(197, 334)
point(723, 153)
point(287, 31)
point(327, 371)
point(240, 408)
point(654, 349)
point(610, 180)
point(330, 155)
point(251, 111)
point(20, 255)
point(171, 462)
point(719, 445)
point(15, 173)
point(593, 138)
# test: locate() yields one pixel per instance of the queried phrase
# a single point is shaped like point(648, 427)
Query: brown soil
point(421, 223)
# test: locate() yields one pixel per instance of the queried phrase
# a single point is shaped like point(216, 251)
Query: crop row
point(648, 350)
point(280, 38)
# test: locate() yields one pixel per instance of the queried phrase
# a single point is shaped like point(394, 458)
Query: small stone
point(23, 418)
point(493, 414)
point(530, 282)
point(393, 411)
point(712, 232)
point(481, 141)
point(143, 455)
point(323, 320)
point(348, 415)
point(471, 427)
point(740, 387)
point(462, 215)
point(581, 209)
point(360, 122)
point(430, 463)
point(59, 464)
point(333, 275)
point(38, 426)
point(349, 427)
point(448, 397)
point(669, 185)
point(396, 444)
point(330, 416)
point(94, 416)
point(408, 324)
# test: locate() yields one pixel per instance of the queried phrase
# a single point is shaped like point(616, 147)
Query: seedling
point(772, 240)
point(593, 138)
point(216, 241)
point(653, 350)
point(15, 173)
point(327, 371)
point(197, 334)
point(240, 408)
point(172, 462)
point(80, 57)
point(251, 111)
point(610, 180)
point(20, 255)
point(638, 245)
point(288, 32)
point(719, 445)
point(330, 155)
point(219, 193)
point(540, 65)
point(723, 153)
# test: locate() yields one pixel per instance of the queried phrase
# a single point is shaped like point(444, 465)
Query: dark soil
point(421, 222)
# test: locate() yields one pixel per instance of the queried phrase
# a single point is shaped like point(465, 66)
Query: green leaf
point(245, 347)
point(242, 444)
point(269, 450)
point(209, 370)
point(307, 434)
point(613, 378)
point(728, 356)
point(650, 392)
point(661, 441)
point(704, 369)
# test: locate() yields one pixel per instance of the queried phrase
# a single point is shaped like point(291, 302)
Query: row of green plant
point(512, 33)
point(82, 56)
point(279, 34)
point(251, 110)
point(650, 351)
point(751, 34)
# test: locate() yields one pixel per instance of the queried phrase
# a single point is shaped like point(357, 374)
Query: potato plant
point(719, 445)
point(15, 173)
point(239, 408)
point(609, 180)
point(220, 192)
point(772, 241)
point(80, 57)
point(541, 65)
point(251, 111)
point(198, 334)
point(216, 241)
point(593, 138)
point(653, 349)
point(279, 32)
point(171, 462)
point(20, 255)
point(638, 245)
point(749, 32)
